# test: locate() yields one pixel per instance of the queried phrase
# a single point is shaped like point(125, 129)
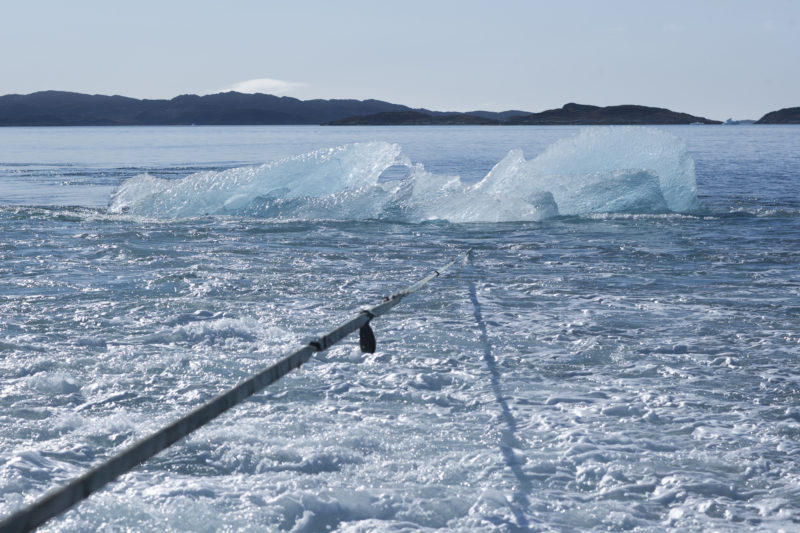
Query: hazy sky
point(719, 58)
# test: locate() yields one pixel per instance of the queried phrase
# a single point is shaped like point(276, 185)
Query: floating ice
point(600, 170)
point(313, 175)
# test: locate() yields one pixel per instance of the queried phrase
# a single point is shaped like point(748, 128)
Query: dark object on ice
point(366, 339)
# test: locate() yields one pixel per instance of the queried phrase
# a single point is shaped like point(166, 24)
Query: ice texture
point(600, 170)
point(314, 175)
point(608, 170)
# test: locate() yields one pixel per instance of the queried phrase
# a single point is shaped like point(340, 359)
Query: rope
point(60, 500)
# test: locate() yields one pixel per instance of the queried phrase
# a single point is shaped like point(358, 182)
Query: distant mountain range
point(56, 108)
point(59, 108)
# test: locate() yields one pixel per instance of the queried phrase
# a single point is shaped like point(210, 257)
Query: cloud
point(265, 85)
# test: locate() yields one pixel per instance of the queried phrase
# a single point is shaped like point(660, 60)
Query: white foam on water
point(53, 383)
point(600, 170)
point(216, 331)
point(630, 370)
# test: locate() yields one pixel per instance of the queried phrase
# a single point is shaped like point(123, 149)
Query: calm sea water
point(620, 353)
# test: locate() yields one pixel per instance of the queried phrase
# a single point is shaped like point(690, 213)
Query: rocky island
point(574, 114)
point(570, 114)
point(789, 115)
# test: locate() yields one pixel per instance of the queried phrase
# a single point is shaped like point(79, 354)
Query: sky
point(712, 58)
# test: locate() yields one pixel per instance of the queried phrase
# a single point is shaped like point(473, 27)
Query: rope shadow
point(508, 436)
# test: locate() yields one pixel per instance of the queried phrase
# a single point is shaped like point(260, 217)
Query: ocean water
point(619, 353)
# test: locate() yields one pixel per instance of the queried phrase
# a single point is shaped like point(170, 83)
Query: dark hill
point(789, 115)
point(502, 115)
point(58, 108)
point(414, 118)
point(574, 114)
